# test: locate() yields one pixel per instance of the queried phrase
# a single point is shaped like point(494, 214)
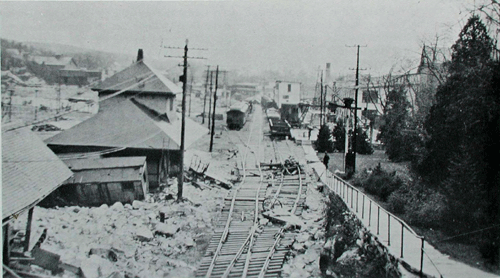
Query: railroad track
point(244, 244)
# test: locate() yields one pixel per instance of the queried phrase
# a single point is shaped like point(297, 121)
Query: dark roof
point(103, 163)
point(105, 175)
point(30, 170)
point(135, 73)
point(52, 61)
point(125, 124)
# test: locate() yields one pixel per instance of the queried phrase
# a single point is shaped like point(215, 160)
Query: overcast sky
point(252, 35)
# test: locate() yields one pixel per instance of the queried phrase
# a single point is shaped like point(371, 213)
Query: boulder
point(138, 204)
point(166, 229)
point(142, 233)
point(118, 206)
point(95, 266)
point(303, 237)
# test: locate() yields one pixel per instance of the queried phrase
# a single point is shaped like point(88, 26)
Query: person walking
point(326, 159)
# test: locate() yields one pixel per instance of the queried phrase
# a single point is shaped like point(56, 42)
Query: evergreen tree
point(464, 136)
point(396, 129)
point(324, 142)
point(339, 136)
point(363, 142)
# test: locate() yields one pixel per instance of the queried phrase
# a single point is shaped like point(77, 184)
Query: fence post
point(363, 208)
point(378, 219)
point(422, 259)
point(370, 214)
point(352, 195)
point(357, 200)
point(402, 239)
point(388, 230)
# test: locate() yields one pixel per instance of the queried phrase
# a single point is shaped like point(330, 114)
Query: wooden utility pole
point(205, 98)
point(183, 79)
point(210, 101)
point(351, 161)
point(180, 179)
point(213, 114)
point(321, 101)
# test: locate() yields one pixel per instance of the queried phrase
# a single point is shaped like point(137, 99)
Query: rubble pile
point(309, 240)
point(350, 249)
point(129, 240)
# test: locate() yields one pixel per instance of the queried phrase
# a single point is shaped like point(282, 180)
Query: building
point(137, 117)
point(287, 96)
point(30, 172)
point(60, 69)
point(98, 181)
point(287, 93)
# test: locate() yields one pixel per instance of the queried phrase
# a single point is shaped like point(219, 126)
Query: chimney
point(140, 55)
point(327, 73)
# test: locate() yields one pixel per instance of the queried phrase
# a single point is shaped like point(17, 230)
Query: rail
point(229, 218)
point(396, 234)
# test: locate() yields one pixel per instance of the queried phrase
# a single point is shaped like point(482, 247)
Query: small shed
point(98, 181)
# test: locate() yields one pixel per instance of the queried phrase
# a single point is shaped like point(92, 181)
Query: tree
point(363, 145)
point(339, 136)
point(396, 128)
point(464, 135)
point(324, 142)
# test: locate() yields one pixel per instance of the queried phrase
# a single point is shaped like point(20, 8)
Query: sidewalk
point(391, 231)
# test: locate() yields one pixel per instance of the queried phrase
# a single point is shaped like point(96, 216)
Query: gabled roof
point(104, 163)
point(30, 170)
point(135, 73)
point(125, 124)
point(100, 170)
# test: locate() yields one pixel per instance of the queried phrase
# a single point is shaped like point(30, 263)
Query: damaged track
point(245, 244)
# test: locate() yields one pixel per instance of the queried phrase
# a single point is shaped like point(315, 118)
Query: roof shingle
point(30, 170)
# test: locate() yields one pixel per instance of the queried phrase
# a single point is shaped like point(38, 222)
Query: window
point(289, 87)
point(286, 97)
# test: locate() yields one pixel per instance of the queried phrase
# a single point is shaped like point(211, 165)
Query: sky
point(295, 36)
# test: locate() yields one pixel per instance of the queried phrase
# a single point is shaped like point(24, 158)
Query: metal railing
point(400, 238)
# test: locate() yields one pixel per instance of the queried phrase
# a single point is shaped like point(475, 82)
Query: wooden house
point(98, 181)
point(136, 117)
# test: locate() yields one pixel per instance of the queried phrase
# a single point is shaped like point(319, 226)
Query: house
point(287, 93)
point(136, 117)
point(63, 70)
point(30, 172)
point(98, 181)
point(287, 96)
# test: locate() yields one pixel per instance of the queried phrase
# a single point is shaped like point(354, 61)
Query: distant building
point(286, 92)
point(287, 96)
point(60, 69)
point(245, 89)
point(137, 117)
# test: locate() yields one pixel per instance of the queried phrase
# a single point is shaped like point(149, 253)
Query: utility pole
point(351, 158)
point(213, 114)
point(205, 98)
point(183, 79)
point(210, 101)
point(321, 101)
point(324, 102)
point(183, 126)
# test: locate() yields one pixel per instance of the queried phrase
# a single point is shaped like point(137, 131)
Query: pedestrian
point(326, 159)
point(310, 130)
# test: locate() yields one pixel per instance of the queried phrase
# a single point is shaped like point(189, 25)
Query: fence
point(400, 239)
